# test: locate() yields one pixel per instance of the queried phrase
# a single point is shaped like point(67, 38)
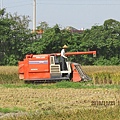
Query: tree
point(105, 39)
point(15, 38)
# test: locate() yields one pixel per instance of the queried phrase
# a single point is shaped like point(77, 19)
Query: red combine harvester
point(46, 68)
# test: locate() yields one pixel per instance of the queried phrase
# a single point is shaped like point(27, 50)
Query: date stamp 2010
point(105, 103)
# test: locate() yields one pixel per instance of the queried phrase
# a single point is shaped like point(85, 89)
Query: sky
point(76, 13)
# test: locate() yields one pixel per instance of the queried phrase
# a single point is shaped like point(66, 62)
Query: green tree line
point(17, 40)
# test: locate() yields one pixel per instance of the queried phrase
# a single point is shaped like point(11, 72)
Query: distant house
point(74, 30)
point(38, 32)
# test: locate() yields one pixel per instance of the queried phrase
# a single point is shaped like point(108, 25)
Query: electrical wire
point(17, 2)
point(75, 4)
point(19, 5)
point(47, 2)
point(81, 0)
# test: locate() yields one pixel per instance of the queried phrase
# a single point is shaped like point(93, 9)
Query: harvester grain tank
point(46, 68)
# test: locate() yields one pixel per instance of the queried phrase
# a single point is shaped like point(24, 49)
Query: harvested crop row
point(55, 99)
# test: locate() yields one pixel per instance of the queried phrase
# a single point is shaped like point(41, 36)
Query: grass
point(11, 110)
point(62, 84)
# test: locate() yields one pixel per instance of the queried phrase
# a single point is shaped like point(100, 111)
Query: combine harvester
point(46, 68)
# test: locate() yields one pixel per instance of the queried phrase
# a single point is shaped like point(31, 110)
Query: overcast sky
point(76, 13)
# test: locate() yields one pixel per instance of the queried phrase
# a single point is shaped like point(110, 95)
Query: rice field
point(99, 74)
point(48, 101)
point(104, 74)
point(20, 102)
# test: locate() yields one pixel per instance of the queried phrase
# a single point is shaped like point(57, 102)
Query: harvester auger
point(46, 68)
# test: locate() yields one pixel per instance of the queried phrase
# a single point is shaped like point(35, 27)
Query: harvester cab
point(46, 68)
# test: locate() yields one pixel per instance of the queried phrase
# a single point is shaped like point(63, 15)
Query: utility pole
point(34, 15)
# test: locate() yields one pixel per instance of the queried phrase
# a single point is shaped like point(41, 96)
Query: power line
point(18, 5)
point(17, 2)
point(91, 4)
point(68, 4)
point(81, 0)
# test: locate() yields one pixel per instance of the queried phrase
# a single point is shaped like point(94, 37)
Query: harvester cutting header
point(47, 68)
